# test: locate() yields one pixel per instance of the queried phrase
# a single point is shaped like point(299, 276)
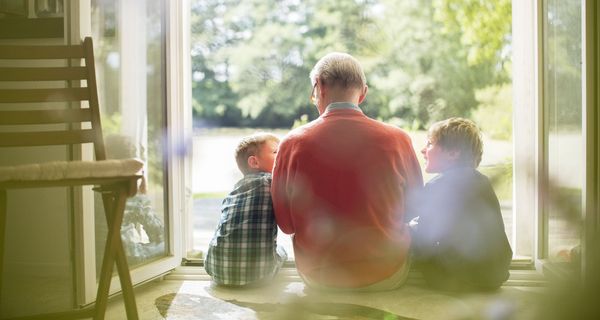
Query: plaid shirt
point(243, 249)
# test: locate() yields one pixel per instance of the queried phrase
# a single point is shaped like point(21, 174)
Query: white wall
point(38, 239)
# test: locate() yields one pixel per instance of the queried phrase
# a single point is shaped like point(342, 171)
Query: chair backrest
point(34, 77)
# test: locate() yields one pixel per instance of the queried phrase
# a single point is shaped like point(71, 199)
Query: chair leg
point(107, 266)
point(114, 208)
point(2, 230)
point(121, 259)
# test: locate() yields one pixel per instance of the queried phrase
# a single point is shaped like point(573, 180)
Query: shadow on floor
point(174, 306)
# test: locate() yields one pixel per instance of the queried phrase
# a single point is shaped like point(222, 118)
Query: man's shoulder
point(390, 129)
point(300, 133)
point(399, 137)
point(306, 128)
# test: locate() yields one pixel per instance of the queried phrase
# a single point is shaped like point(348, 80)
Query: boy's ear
point(454, 154)
point(253, 162)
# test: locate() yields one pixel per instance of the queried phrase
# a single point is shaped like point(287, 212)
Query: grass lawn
point(496, 162)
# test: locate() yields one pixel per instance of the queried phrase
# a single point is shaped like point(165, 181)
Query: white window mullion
point(133, 64)
point(179, 119)
point(526, 102)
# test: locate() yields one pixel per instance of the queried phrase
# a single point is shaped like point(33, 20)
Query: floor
point(181, 296)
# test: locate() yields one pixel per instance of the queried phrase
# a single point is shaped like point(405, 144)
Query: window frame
point(530, 168)
point(591, 121)
point(527, 169)
point(527, 130)
point(530, 216)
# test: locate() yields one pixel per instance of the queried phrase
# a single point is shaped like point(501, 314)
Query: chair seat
point(60, 170)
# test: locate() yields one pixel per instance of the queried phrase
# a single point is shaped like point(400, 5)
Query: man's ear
point(363, 94)
point(253, 162)
point(321, 90)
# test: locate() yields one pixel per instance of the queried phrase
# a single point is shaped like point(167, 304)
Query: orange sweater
point(340, 184)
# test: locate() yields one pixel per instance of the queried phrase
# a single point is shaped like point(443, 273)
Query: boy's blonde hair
point(458, 134)
point(249, 146)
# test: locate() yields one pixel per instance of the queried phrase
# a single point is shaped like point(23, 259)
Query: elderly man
point(341, 184)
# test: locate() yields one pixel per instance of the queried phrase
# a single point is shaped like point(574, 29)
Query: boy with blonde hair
point(244, 249)
point(460, 242)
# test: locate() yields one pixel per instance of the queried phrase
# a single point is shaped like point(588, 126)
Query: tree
point(484, 28)
point(252, 58)
point(423, 72)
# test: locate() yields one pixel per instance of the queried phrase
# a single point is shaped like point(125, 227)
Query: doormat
point(183, 306)
point(187, 306)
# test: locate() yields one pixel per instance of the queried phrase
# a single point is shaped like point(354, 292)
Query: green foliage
point(301, 121)
point(501, 178)
point(111, 124)
point(251, 59)
point(494, 113)
point(562, 56)
point(484, 26)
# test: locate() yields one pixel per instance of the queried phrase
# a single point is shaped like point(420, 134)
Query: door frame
point(178, 124)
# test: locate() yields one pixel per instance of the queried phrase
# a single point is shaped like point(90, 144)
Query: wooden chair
point(27, 109)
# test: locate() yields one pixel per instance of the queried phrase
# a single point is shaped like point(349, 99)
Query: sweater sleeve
point(280, 189)
point(414, 181)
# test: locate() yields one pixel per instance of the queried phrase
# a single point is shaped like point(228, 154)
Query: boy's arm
point(280, 191)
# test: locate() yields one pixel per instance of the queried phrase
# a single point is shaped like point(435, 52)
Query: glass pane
point(563, 123)
point(129, 48)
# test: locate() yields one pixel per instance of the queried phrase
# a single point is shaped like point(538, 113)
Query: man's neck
point(334, 96)
point(342, 105)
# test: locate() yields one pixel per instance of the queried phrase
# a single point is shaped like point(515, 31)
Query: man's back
point(340, 185)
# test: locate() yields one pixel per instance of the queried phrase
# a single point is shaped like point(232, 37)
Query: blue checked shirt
point(243, 248)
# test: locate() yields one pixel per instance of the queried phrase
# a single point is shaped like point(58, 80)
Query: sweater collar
point(342, 105)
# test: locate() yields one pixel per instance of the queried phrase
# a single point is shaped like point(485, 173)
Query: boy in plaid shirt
point(244, 248)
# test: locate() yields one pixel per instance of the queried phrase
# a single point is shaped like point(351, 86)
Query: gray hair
point(338, 68)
